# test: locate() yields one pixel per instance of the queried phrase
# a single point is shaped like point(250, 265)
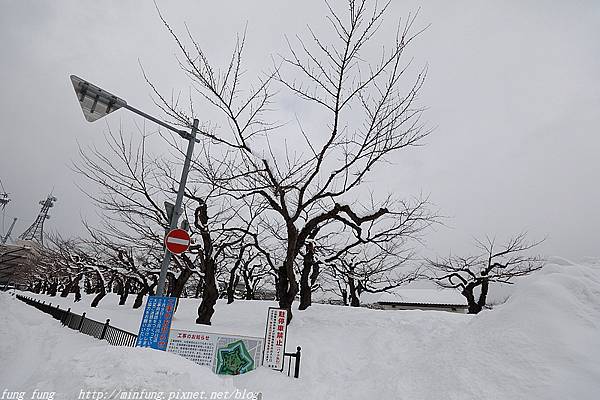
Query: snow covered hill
point(543, 343)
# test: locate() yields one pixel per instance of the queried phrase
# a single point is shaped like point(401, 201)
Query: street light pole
point(177, 210)
point(97, 103)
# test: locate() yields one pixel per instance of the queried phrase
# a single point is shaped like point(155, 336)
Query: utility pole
point(177, 211)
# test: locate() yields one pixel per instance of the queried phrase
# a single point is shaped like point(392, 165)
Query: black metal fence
point(83, 324)
point(119, 337)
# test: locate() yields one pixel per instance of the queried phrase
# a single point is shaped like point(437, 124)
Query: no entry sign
point(177, 241)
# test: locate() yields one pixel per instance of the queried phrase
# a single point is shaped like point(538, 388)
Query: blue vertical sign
point(154, 329)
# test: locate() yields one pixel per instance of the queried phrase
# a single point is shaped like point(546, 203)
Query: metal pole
point(297, 366)
point(180, 132)
point(177, 211)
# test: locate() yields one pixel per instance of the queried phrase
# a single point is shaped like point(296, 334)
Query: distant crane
point(5, 238)
point(4, 200)
point(36, 230)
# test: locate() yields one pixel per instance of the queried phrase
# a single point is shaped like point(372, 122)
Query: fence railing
point(119, 337)
point(100, 330)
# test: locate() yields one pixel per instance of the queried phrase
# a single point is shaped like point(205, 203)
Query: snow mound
point(543, 343)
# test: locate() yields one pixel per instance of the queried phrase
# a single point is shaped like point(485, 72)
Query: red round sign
point(177, 241)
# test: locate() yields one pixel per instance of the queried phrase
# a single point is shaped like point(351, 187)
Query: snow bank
point(37, 353)
point(543, 343)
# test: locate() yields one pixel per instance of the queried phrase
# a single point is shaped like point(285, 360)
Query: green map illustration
point(234, 359)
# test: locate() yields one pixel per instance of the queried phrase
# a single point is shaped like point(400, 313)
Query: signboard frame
point(212, 341)
point(277, 310)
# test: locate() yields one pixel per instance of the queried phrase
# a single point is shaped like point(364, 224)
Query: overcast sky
point(513, 92)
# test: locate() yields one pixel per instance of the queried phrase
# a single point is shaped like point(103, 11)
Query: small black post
point(106, 324)
point(297, 367)
point(81, 322)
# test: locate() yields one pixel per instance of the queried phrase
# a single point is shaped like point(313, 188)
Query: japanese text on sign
point(275, 336)
point(156, 322)
point(225, 354)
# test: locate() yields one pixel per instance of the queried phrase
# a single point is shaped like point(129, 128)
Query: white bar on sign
point(177, 240)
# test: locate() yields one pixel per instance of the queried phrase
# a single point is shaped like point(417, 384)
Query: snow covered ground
point(543, 343)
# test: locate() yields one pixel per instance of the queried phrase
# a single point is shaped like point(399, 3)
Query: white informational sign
point(275, 336)
point(225, 354)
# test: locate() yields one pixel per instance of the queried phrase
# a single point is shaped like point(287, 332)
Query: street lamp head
point(95, 102)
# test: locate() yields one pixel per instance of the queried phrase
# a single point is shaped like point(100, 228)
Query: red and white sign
point(275, 336)
point(177, 241)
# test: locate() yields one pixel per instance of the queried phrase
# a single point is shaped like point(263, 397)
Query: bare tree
point(245, 268)
point(496, 264)
point(370, 107)
point(375, 258)
point(361, 273)
point(356, 259)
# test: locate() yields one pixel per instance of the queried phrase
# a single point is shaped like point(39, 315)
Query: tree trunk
point(233, 282)
point(305, 289)
point(180, 282)
point(484, 291)
point(288, 285)
point(53, 288)
point(125, 289)
point(109, 287)
point(66, 290)
point(88, 286)
point(139, 299)
point(199, 287)
point(71, 286)
point(474, 307)
point(354, 300)
point(99, 296)
point(277, 292)
point(283, 289)
point(170, 283)
point(120, 287)
point(249, 295)
point(210, 294)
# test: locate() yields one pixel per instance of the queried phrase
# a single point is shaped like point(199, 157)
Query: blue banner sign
point(155, 325)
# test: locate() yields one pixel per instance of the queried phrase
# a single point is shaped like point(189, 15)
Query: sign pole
point(97, 103)
point(177, 211)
